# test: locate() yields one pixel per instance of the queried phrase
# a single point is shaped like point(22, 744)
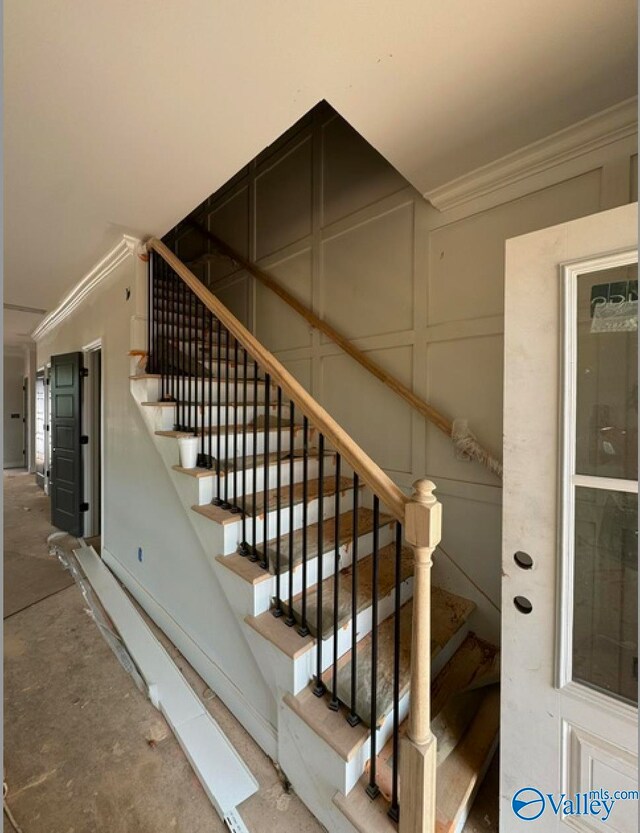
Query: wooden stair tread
point(364, 566)
point(238, 428)
point(345, 536)
point(332, 726)
point(252, 572)
point(217, 514)
point(448, 614)
point(169, 403)
point(459, 777)
point(238, 464)
point(296, 494)
point(473, 664)
point(456, 695)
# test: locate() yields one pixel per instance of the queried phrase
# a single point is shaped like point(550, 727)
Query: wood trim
point(369, 471)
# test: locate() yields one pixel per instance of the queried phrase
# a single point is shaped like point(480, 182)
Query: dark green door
point(66, 448)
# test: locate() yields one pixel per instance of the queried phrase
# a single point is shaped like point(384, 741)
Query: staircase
point(326, 564)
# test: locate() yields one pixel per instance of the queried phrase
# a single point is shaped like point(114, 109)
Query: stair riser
point(175, 362)
point(177, 319)
point(203, 488)
point(340, 774)
point(232, 534)
point(364, 621)
point(254, 599)
point(188, 392)
point(192, 348)
point(263, 600)
point(162, 328)
point(345, 775)
point(226, 414)
point(236, 444)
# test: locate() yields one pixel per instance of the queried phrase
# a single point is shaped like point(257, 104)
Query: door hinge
point(46, 381)
point(84, 440)
point(46, 428)
point(84, 372)
point(48, 472)
point(84, 507)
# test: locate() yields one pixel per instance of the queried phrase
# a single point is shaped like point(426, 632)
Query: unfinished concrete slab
point(30, 574)
point(86, 752)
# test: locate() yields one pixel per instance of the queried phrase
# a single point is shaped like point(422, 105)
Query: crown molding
point(611, 125)
point(127, 247)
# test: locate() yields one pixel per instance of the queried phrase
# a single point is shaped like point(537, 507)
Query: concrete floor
point(85, 751)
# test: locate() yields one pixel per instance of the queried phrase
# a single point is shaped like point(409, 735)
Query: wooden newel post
point(423, 523)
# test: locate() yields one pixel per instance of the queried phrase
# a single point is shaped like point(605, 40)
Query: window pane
point(607, 373)
point(605, 614)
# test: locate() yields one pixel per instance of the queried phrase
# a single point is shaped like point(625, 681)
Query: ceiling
point(123, 116)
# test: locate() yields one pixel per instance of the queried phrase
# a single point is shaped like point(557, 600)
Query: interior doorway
point(92, 430)
point(40, 429)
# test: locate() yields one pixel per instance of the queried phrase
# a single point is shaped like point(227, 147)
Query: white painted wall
point(141, 506)
point(422, 291)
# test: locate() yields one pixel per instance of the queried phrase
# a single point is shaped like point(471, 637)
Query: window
point(600, 489)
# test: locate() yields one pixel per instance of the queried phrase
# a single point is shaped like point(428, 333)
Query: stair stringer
point(316, 771)
point(316, 783)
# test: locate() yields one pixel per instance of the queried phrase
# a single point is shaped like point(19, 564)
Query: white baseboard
point(260, 729)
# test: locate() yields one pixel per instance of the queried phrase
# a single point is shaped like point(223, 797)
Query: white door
point(569, 730)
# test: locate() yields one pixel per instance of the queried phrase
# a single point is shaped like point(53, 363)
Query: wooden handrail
point(369, 471)
point(467, 443)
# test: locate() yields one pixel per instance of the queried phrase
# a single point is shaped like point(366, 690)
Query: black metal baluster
point(394, 810)
point(210, 404)
point(196, 321)
point(264, 563)
point(320, 688)
point(291, 619)
point(334, 704)
point(163, 335)
point(235, 508)
point(175, 355)
point(254, 515)
point(185, 383)
point(244, 548)
point(225, 502)
point(169, 314)
point(372, 788)
point(166, 336)
point(277, 610)
point(200, 360)
point(217, 501)
point(150, 318)
point(353, 718)
point(161, 326)
point(303, 630)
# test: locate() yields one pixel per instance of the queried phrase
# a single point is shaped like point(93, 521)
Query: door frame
point(25, 422)
point(93, 428)
point(41, 374)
